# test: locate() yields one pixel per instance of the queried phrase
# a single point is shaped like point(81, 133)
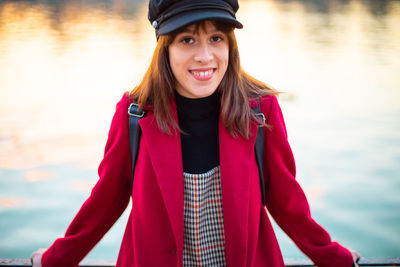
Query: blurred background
point(64, 64)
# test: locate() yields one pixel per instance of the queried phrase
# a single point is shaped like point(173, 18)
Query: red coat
point(154, 232)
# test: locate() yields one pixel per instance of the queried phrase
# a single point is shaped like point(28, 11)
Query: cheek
point(176, 61)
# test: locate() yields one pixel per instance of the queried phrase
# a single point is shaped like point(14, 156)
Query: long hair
point(235, 90)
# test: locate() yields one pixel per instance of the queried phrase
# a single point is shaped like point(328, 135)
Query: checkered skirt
point(204, 238)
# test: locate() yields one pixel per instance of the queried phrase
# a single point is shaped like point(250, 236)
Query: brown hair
point(236, 88)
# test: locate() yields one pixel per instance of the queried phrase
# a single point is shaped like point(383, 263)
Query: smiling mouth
point(203, 75)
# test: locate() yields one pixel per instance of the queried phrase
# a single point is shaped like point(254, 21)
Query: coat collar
point(235, 160)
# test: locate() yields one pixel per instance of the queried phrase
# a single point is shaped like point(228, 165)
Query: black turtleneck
point(198, 119)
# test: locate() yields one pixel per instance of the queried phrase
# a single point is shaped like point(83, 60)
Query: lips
point(203, 74)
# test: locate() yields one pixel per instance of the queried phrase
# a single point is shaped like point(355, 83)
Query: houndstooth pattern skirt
point(204, 238)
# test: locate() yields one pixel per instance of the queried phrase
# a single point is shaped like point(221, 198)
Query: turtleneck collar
point(198, 119)
point(197, 108)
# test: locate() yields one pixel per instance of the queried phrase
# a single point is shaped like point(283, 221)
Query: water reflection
point(8, 202)
point(33, 176)
point(55, 56)
point(65, 64)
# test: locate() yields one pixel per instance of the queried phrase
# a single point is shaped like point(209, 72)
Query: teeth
point(202, 73)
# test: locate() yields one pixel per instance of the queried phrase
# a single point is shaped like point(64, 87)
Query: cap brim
point(187, 18)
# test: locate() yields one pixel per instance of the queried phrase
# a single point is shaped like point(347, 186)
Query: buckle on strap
point(261, 116)
point(135, 111)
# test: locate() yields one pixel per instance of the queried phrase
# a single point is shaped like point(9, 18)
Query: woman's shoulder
point(128, 98)
point(266, 102)
point(125, 100)
point(268, 99)
point(121, 109)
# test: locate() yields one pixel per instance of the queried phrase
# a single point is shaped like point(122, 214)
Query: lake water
point(65, 64)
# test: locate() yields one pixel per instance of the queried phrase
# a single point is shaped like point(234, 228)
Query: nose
point(204, 53)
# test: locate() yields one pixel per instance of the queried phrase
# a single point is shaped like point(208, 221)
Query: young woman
point(196, 198)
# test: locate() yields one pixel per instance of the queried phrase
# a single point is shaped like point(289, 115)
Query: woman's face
point(199, 60)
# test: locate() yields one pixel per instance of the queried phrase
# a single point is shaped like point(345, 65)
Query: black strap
point(259, 149)
point(135, 114)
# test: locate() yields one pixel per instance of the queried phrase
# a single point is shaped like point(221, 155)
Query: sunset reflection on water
point(64, 66)
point(61, 77)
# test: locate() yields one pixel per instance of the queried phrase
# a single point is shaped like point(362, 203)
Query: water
point(65, 64)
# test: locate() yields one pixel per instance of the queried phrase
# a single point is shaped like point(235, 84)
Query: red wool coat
point(154, 232)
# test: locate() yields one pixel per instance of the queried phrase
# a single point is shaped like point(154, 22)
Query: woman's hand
point(36, 257)
point(356, 256)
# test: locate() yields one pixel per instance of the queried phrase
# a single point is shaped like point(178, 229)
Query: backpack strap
point(135, 114)
point(259, 149)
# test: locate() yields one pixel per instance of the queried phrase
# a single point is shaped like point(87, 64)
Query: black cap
point(167, 16)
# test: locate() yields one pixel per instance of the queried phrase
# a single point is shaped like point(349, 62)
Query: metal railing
point(288, 262)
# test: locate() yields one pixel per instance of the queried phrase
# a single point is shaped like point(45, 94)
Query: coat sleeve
point(107, 201)
point(286, 200)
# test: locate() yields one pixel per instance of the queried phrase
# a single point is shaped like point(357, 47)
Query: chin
point(204, 93)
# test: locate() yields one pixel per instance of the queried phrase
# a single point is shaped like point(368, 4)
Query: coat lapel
point(235, 159)
point(166, 157)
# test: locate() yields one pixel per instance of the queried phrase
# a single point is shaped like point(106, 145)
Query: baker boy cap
point(167, 16)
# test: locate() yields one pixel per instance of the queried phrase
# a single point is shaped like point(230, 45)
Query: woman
point(196, 198)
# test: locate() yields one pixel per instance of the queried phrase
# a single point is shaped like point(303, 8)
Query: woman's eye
point(187, 40)
point(216, 39)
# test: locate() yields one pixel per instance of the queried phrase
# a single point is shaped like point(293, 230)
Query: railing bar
point(288, 262)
